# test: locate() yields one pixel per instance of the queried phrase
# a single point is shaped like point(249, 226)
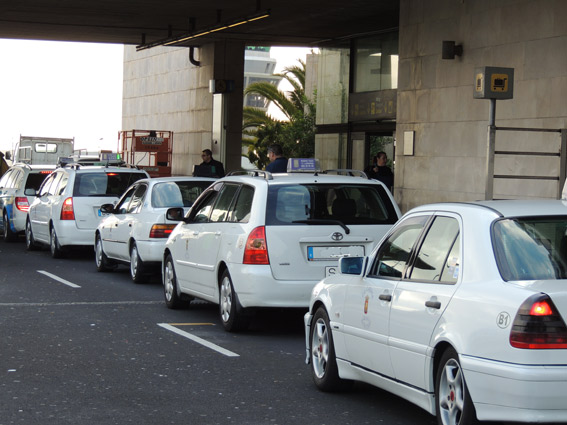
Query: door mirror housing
point(30, 191)
point(107, 208)
point(175, 214)
point(353, 265)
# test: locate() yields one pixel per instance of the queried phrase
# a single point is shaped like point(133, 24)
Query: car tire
point(454, 404)
point(9, 235)
point(31, 245)
point(137, 268)
point(54, 247)
point(172, 299)
point(231, 314)
point(103, 264)
point(324, 368)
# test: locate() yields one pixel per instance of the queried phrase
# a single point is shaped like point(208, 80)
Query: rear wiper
point(324, 221)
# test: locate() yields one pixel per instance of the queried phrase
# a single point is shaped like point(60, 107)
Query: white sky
point(62, 89)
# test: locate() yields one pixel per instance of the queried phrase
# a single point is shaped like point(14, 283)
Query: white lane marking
point(88, 303)
point(198, 340)
point(58, 279)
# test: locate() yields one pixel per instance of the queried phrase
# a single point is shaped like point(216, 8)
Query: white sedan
point(135, 230)
point(460, 309)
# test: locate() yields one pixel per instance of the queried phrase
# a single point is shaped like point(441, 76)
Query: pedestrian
point(278, 163)
point(210, 167)
point(379, 170)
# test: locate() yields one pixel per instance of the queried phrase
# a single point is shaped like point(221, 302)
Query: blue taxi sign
point(303, 165)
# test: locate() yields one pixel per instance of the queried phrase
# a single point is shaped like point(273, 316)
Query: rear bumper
point(69, 234)
point(505, 391)
point(256, 287)
point(151, 251)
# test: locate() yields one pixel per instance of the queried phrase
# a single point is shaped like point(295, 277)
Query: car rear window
point(35, 180)
point(347, 203)
point(105, 183)
point(531, 248)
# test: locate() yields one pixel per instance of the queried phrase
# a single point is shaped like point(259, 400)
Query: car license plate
point(101, 214)
point(329, 253)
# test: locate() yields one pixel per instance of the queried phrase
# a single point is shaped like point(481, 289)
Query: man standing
point(210, 166)
point(380, 170)
point(278, 163)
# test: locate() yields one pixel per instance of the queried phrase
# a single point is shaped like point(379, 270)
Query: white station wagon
point(461, 310)
point(263, 240)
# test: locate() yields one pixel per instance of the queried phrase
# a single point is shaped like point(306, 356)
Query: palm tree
point(296, 133)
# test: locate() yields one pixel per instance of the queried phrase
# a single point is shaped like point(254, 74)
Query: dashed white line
point(58, 279)
point(199, 340)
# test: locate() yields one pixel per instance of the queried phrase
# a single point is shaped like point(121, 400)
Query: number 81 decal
point(503, 320)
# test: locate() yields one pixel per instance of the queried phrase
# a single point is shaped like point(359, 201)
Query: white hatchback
point(135, 230)
point(461, 310)
point(263, 240)
point(66, 210)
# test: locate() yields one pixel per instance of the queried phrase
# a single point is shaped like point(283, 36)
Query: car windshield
point(531, 248)
point(322, 203)
point(177, 193)
point(106, 183)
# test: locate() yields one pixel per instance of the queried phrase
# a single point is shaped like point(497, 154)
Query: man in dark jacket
point(379, 170)
point(210, 166)
point(278, 163)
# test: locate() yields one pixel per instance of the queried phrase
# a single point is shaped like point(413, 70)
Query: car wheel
point(9, 235)
point(55, 248)
point(172, 298)
point(230, 311)
point(30, 241)
point(454, 404)
point(103, 264)
point(137, 269)
point(323, 360)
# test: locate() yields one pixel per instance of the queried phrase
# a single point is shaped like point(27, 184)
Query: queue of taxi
point(457, 307)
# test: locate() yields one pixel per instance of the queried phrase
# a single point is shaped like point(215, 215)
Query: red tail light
point(256, 248)
point(538, 325)
point(22, 203)
point(67, 212)
point(161, 230)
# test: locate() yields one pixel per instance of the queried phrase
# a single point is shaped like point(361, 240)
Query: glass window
point(44, 189)
point(222, 206)
point(137, 199)
point(35, 180)
point(319, 203)
point(124, 201)
point(104, 183)
point(453, 264)
point(177, 193)
point(45, 147)
point(376, 63)
point(391, 259)
point(433, 254)
point(201, 211)
point(5, 178)
point(55, 186)
point(243, 207)
point(531, 248)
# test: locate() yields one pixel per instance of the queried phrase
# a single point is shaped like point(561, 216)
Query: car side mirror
point(353, 265)
point(30, 191)
point(107, 208)
point(175, 214)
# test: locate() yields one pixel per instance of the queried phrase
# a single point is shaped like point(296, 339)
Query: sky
point(63, 89)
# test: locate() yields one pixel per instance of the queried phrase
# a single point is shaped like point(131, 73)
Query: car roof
point(98, 168)
point(154, 180)
point(503, 208)
point(298, 178)
point(34, 166)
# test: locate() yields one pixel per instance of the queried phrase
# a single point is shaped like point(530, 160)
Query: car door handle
point(433, 304)
point(385, 297)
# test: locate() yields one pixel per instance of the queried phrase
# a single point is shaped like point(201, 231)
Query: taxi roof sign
point(303, 165)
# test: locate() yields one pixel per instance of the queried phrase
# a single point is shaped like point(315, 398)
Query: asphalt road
point(82, 347)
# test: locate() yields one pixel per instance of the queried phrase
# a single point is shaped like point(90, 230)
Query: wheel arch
point(440, 349)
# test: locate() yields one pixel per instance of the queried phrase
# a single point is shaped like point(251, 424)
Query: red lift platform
point(151, 150)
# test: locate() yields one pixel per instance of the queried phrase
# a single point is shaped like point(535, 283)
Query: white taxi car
point(66, 210)
point(461, 310)
point(263, 240)
point(135, 230)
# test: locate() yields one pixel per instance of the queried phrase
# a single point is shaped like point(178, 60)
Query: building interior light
point(195, 34)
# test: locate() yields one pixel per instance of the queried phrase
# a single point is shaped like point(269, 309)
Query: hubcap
point(134, 261)
point(451, 393)
point(53, 241)
point(320, 348)
point(98, 252)
point(168, 281)
point(225, 299)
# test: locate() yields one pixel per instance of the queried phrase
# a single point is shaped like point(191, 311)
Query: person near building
point(210, 167)
point(278, 163)
point(379, 170)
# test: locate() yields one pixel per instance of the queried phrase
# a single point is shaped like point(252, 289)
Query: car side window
point(122, 205)
point(201, 211)
point(438, 251)
point(137, 199)
point(5, 178)
point(243, 206)
point(44, 189)
point(223, 203)
point(62, 184)
point(54, 188)
point(392, 257)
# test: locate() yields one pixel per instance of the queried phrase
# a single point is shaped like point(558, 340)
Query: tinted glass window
point(200, 212)
point(44, 189)
point(137, 199)
point(393, 256)
point(241, 212)
point(177, 194)
point(122, 205)
point(5, 178)
point(531, 248)
point(35, 180)
point(104, 183)
point(224, 201)
point(349, 203)
point(433, 254)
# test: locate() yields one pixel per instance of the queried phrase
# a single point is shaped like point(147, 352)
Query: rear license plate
point(329, 253)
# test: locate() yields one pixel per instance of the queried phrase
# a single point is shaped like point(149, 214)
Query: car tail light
point(256, 248)
point(22, 203)
point(161, 230)
point(538, 325)
point(67, 212)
